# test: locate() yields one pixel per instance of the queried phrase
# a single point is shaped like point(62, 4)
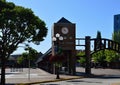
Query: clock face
point(65, 30)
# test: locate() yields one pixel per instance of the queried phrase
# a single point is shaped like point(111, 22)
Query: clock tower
point(66, 29)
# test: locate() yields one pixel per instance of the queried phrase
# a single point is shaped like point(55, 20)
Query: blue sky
point(90, 16)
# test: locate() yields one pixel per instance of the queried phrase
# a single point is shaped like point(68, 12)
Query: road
point(87, 81)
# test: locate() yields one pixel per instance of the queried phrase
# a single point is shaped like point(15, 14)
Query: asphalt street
point(86, 81)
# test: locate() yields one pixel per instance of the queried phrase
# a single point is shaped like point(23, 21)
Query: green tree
point(99, 56)
point(17, 25)
point(82, 53)
point(98, 40)
point(20, 60)
point(81, 58)
point(116, 36)
point(98, 35)
point(82, 61)
point(105, 56)
point(31, 55)
point(112, 56)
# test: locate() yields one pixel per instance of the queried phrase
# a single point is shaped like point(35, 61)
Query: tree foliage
point(105, 56)
point(99, 57)
point(98, 40)
point(81, 53)
point(112, 56)
point(17, 25)
point(82, 58)
point(116, 36)
point(30, 54)
point(20, 60)
point(98, 35)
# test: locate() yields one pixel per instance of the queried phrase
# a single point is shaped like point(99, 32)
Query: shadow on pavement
point(80, 74)
point(103, 76)
point(106, 76)
point(82, 81)
point(49, 84)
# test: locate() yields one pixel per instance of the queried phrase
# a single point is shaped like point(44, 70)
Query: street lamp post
point(28, 49)
point(28, 63)
point(29, 69)
point(56, 39)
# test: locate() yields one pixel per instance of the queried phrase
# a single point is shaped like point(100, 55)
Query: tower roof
point(63, 20)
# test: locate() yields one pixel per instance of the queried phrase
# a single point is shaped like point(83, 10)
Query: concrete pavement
point(36, 76)
point(39, 76)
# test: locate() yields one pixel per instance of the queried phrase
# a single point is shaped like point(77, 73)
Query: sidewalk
point(36, 76)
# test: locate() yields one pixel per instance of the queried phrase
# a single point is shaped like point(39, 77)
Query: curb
point(118, 83)
point(55, 80)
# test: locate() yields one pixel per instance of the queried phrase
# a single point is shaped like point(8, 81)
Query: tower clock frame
point(67, 30)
